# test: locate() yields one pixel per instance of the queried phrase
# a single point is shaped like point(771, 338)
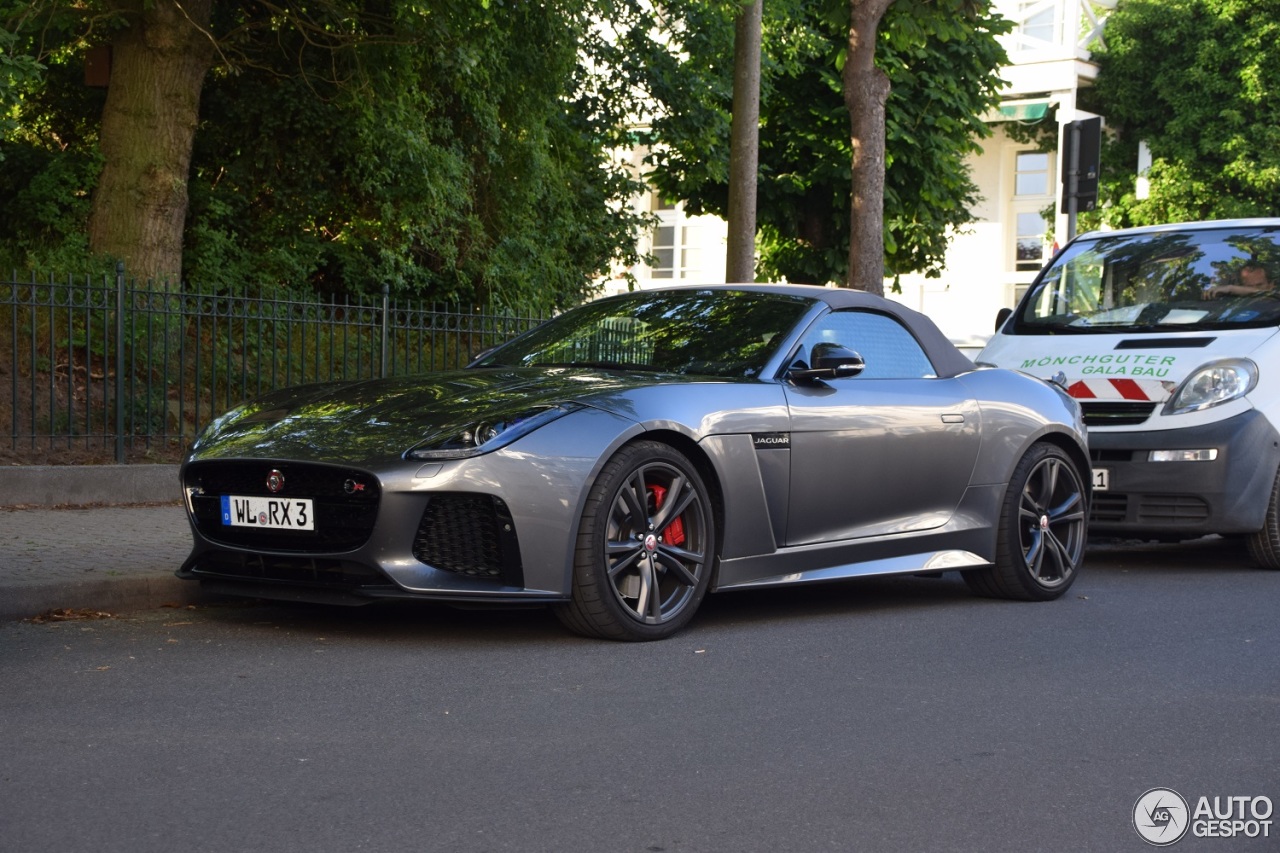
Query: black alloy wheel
point(645, 548)
point(1043, 530)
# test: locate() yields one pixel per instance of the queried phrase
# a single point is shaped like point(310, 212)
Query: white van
point(1167, 336)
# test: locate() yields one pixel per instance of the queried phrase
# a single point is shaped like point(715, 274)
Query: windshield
point(705, 332)
point(1167, 281)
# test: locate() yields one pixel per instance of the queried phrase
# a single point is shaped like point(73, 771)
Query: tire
point(645, 549)
point(1264, 545)
point(1042, 533)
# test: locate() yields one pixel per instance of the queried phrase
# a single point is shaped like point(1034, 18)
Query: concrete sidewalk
point(91, 537)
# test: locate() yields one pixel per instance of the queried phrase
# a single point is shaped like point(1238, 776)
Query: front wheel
point(1264, 545)
point(1042, 533)
point(645, 548)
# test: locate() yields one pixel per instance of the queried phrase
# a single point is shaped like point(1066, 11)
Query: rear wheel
point(1043, 527)
point(645, 549)
point(1264, 546)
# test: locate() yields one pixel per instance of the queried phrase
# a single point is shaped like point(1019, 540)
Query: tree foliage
point(1195, 79)
point(942, 64)
point(452, 149)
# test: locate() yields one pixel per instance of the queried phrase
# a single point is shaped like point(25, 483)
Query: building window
point(664, 251)
point(1038, 22)
point(1031, 174)
point(679, 245)
point(1033, 191)
point(1030, 241)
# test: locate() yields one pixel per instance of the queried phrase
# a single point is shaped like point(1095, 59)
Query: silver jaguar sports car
point(625, 458)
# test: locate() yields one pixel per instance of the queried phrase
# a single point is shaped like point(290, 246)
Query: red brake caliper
point(675, 530)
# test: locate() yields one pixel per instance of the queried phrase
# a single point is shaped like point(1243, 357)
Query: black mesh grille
point(471, 535)
point(1110, 457)
point(1116, 413)
point(1171, 509)
point(311, 571)
point(345, 503)
point(1161, 510)
point(1108, 507)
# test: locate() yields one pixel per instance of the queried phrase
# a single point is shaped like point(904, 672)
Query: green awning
point(1023, 110)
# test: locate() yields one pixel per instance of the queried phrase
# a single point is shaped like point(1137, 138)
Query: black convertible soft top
point(947, 360)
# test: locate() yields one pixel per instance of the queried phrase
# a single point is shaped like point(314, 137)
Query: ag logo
point(1161, 817)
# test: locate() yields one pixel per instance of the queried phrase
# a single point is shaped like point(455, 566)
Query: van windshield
point(1220, 278)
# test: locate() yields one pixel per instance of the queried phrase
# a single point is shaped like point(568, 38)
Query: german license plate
point(273, 513)
point(1101, 479)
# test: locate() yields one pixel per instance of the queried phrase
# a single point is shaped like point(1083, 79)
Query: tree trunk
point(744, 146)
point(866, 89)
point(158, 64)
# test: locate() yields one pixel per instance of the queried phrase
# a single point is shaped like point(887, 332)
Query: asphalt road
point(874, 715)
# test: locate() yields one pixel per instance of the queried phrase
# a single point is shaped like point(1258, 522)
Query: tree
point(744, 146)
point(471, 171)
point(866, 91)
point(161, 51)
point(456, 150)
point(1196, 80)
point(942, 65)
point(19, 73)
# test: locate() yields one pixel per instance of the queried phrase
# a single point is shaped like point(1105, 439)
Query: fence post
point(119, 389)
point(386, 320)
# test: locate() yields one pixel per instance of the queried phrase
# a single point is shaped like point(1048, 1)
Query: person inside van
point(1253, 282)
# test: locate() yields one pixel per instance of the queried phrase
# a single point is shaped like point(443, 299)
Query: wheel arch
point(1078, 455)
point(593, 605)
point(697, 457)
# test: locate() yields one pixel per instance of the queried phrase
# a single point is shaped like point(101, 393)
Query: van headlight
point(1213, 384)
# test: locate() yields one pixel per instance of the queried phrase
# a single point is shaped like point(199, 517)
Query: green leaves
point(941, 58)
point(1195, 80)
point(446, 148)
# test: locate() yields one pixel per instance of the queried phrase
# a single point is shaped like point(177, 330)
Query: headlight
point(1212, 385)
point(483, 436)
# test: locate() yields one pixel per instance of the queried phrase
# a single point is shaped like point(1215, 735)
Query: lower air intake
point(471, 535)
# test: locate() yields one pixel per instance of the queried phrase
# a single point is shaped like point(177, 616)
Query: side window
point(888, 348)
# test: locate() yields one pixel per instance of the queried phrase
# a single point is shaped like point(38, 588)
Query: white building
point(994, 260)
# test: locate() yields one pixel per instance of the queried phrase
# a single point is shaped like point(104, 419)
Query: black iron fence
point(113, 367)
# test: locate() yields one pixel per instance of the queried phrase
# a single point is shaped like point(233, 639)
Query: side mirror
point(829, 361)
point(1001, 316)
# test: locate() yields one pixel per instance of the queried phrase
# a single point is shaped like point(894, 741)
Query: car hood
point(380, 419)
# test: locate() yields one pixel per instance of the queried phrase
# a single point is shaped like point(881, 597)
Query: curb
point(116, 595)
point(84, 485)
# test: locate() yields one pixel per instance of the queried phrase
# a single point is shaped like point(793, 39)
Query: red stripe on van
point(1129, 389)
point(1081, 391)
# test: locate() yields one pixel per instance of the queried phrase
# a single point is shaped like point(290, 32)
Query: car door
point(888, 451)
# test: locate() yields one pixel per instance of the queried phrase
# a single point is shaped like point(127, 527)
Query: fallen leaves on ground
point(70, 614)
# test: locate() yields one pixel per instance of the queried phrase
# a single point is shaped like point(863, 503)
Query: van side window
point(888, 348)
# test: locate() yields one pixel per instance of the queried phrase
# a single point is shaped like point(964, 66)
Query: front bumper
point(496, 528)
point(466, 541)
point(1183, 500)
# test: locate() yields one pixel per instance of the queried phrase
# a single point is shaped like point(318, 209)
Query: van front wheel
point(1264, 545)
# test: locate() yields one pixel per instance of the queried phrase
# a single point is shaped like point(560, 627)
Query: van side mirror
point(1001, 316)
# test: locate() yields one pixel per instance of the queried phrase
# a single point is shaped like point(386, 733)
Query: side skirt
point(934, 561)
